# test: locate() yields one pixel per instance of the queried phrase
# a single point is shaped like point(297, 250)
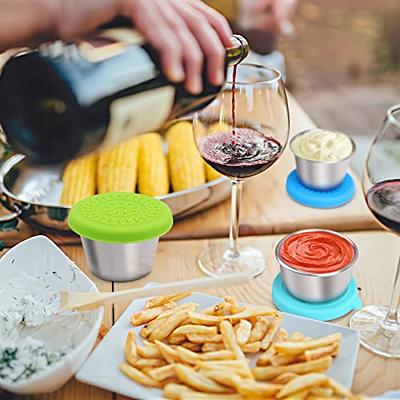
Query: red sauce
point(317, 252)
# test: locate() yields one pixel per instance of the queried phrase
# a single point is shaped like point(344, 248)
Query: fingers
point(208, 40)
point(217, 21)
point(191, 50)
point(151, 23)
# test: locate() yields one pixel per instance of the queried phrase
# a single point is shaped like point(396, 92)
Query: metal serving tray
point(32, 194)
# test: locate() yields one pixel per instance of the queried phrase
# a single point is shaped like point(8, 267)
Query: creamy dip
point(32, 336)
point(322, 145)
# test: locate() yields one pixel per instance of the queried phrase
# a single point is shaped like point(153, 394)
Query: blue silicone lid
point(326, 311)
point(320, 198)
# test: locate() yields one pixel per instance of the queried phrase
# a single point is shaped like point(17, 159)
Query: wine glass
point(379, 326)
point(241, 134)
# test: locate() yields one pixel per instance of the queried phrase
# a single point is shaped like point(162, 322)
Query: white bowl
point(40, 258)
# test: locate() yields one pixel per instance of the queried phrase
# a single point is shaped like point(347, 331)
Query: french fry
point(250, 388)
point(218, 355)
point(339, 389)
point(198, 381)
point(296, 337)
point(299, 396)
point(206, 347)
point(320, 391)
point(145, 316)
point(160, 300)
point(162, 373)
point(301, 347)
point(330, 350)
point(203, 319)
point(265, 358)
point(301, 383)
point(148, 350)
point(251, 312)
point(240, 367)
point(131, 349)
point(283, 359)
point(137, 375)
point(272, 331)
point(285, 377)
point(168, 326)
point(259, 329)
point(253, 347)
point(229, 339)
point(196, 347)
point(233, 305)
point(149, 362)
point(169, 354)
point(176, 338)
point(198, 338)
point(269, 372)
point(173, 391)
point(225, 378)
point(209, 396)
point(195, 329)
point(243, 331)
point(188, 356)
point(149, 328)
point(216, 309)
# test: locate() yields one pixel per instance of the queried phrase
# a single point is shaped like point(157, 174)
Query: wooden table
point(266, 207)
point(175, 260)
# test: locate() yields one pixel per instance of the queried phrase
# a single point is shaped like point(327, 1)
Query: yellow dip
point(321, 145)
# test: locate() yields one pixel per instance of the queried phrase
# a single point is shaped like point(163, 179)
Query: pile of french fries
point(194, 354)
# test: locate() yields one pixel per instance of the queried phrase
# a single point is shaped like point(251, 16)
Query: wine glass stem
point(236, 197)
point(392, 318)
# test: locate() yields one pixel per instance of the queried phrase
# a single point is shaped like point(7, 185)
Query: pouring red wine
point(241, 134)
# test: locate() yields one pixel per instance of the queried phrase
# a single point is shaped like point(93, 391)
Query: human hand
point(185, 32)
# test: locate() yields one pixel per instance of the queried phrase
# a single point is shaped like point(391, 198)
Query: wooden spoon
point(89, 300)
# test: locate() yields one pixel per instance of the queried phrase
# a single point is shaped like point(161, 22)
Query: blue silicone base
point(318, 198)
point(327, 311)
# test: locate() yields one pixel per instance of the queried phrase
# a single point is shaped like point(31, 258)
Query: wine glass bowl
point(379, 326)
point(241, 134)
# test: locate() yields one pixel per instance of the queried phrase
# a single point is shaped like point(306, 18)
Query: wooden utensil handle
point(182, 286)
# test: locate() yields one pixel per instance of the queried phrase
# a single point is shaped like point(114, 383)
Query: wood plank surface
point(266, 207)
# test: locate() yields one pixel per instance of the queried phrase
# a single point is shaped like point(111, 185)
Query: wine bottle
point(60, 101)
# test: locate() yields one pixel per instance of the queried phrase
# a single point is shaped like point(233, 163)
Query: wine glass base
point(375, 335)
point(217, 260)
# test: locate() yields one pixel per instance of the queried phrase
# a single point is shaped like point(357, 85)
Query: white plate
point(101, 368)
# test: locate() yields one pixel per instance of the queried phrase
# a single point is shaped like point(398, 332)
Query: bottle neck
point(238, 51)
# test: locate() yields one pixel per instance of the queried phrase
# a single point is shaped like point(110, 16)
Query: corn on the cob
point(79, 179)
point(185, 163)
point(211, 173)
point(153, 177)
point(117, 167)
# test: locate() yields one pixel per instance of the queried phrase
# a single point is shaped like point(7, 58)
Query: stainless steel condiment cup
point(120, 233)
point(321, 175)
point(311, 287)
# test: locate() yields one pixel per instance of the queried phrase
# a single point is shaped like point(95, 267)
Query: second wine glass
point(241, 134)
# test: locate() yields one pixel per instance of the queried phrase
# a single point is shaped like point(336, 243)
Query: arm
point(183, 31)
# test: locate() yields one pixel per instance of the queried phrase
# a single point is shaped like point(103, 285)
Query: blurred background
point(342, 61)
point(344, 64)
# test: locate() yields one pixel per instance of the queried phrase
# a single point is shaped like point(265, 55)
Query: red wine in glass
point(383, 200)
point(251, 153)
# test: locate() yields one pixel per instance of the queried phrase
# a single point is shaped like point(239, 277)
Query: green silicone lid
point(120, 218)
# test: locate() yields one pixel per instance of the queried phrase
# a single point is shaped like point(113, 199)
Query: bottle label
point(139, 113)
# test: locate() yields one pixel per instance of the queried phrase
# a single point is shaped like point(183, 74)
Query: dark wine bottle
point(61, 101)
